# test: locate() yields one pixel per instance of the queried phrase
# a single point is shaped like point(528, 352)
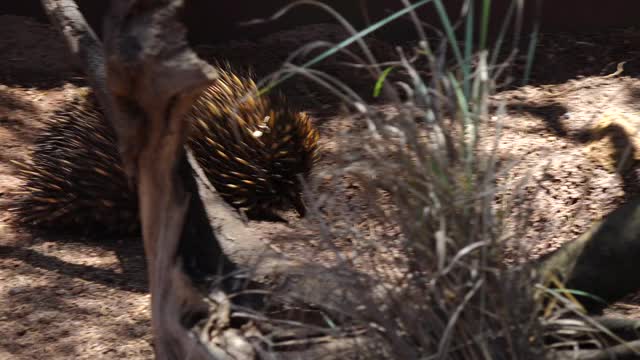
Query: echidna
point(256, 151)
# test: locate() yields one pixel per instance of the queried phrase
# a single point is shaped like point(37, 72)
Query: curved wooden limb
point(146, 78)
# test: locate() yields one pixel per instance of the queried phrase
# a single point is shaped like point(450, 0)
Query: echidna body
point(74, 179)
point(255, 151)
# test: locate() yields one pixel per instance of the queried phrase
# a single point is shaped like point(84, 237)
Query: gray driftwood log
point(146, 77)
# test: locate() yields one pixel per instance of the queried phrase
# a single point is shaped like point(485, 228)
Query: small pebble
point(17, 290)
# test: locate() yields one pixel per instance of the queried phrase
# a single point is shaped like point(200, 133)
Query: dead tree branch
point(153, 78)
point(146, 78)
point(82, 42)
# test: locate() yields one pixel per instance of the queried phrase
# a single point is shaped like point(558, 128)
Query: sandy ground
point(78, 297)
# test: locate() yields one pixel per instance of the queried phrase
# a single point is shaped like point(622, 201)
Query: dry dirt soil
point(83, 297)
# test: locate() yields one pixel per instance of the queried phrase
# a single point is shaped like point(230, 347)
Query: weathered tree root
point(604, 262)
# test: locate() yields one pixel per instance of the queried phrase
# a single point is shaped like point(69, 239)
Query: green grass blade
point(350, 40)
point(531, 52)
point(377, 89)
point(466, 120)
point(484, 27)
point(448, 28)
point(580, 293)
point(503, 30)
point(468, 48)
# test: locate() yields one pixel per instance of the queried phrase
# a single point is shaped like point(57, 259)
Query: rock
point(17, 290)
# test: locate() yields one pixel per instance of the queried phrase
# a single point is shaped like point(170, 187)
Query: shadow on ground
point(624, 151)
point(132, 276)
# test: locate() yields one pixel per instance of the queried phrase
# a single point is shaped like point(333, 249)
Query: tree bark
point(85, 47)
point(146, 79)
point(153, 78)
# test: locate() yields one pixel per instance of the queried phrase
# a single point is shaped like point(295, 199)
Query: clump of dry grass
point(438, 288)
